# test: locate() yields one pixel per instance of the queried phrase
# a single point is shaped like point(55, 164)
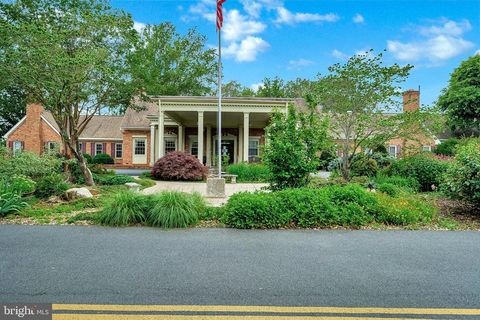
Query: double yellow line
point(150, 312)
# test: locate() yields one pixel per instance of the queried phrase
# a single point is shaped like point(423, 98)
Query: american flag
point(219, 14)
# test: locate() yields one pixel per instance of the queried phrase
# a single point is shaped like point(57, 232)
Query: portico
point(190, 124)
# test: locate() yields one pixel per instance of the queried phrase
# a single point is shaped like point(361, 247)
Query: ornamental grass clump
point(123, 209)
point(175, 210)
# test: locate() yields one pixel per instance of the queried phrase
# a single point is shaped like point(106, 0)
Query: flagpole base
point(215, 187)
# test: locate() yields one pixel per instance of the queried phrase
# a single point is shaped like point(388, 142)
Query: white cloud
point(339, 54)
point(237, 26)
point(256, 86)
point(247, 49)
point(477, 53)
point(252, 8)
point(439, 42)
point(299, 64)
point(358, 18)
point(446, 27)
point(284, 16)
point(139, 26)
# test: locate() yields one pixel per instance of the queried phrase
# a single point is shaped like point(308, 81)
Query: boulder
point(78, 193)
point(135, 187)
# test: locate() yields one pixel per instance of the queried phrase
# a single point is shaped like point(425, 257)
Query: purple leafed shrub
point(179, 166)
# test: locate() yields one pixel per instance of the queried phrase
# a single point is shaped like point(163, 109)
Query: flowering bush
point(179, 166)
point(463, 178)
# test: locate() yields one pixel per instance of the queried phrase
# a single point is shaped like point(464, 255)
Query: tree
point(272, 88)
point(12, 107)
point(70, 56)
point(294, 143)
point(164, 62)
point(355, 96)
point(235, 89)
point(461, 99)
point(299, 88)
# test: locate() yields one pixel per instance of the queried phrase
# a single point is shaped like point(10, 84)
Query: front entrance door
point(139, 155)
point(228, 150)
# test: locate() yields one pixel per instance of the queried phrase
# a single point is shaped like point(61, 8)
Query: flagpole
point(219, 130)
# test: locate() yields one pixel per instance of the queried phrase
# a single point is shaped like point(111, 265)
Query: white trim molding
point(9, 132)
point(49, 124)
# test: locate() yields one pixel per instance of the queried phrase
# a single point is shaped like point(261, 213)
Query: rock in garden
point(78, 193)
point(135, 187)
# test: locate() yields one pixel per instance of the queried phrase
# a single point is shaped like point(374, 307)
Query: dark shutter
point(399, 151)
point(112, 151)
point(84, 147)
point(104, 147)
point(10, 145)
point(22, 145)
point(92, 149)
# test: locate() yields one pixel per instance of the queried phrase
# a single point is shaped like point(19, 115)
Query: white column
point(200, 136)
point(209, 145)
point(246, 128)
point(240, 144)
point(161, 134)
point(152, 144)
point(181, 138)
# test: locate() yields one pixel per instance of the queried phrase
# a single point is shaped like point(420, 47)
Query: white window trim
point(116, 146)
point(254, 138)
point(96, 149)
point(429, 148)
point(134, 146)
point(14, 150)
point(191, 140)
point(396, 150)
point(169, 138)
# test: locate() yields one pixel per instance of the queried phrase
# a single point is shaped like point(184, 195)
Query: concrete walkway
point(201, 187)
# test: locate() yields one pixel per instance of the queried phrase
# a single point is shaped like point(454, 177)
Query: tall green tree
point(355, 97)
point(12, 107)
point(70, 56)
point(295, 141)
point(461, 98)
point(165, 62)
point(236, 89)
point(272, 88)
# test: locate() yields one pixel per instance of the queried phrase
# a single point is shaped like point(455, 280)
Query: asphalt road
point(96, 265)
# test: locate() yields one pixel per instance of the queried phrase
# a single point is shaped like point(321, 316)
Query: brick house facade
point(166, 124)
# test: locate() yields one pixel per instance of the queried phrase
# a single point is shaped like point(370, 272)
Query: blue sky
point(301, 38)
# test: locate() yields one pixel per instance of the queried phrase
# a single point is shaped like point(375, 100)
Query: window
point(140, 147)
point(17, 147)
point(80, 147)
point(170, 145)
point(194, 148)
point(253, 149)
point(52, 146)
point(98, 148)
point(426, 148)
point(392, 151)
point(118, 150)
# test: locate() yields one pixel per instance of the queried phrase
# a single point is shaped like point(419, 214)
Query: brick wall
point(128, 146)
point(34, 132)
point(411, 100)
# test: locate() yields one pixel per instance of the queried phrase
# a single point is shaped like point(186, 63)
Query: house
point(176, 123)
point(166, 123)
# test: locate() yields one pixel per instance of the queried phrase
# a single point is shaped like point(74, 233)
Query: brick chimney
point(32, 125)
point(411, 100)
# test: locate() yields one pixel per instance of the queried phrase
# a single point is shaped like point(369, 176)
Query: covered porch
point(189, 124)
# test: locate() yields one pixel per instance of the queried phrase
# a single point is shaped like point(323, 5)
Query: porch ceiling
point(229, 119)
